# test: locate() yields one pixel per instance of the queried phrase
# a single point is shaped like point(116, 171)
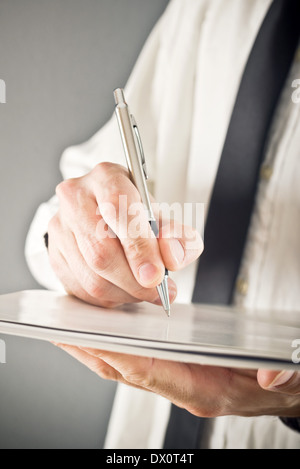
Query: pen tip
point(164, 296)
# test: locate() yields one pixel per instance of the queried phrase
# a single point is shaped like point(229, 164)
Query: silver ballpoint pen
point(136, 164)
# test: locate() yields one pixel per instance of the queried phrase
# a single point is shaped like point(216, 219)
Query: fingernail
point(281, 379)
point(177, 251)
point(148, 273)
point(172, 295)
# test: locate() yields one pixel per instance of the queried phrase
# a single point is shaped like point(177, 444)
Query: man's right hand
point(120, 267)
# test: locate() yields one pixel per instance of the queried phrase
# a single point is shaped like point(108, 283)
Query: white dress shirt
point(182, 91)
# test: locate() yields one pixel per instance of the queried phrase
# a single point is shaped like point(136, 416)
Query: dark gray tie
point(237, 178)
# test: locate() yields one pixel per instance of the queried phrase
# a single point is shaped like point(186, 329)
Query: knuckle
point(137, 248)
point(140, 374)
point(108, 169)
point(61, 189)
point(116, 181)
point(105, 167)
point(112, 177)
point(65, 190)
point(103, 171)
point(105, 371)
point(98, 256)
point(93, 288)
point(139, 378)
point(99, 291)
point(109, 304)
point(110, 207)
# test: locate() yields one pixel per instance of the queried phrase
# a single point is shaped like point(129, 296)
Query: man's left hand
point(205, 391)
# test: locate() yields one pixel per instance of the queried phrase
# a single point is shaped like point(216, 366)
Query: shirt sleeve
point(141, 92)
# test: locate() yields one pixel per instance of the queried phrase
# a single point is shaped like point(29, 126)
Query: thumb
point(287, 382)
point(180, 245)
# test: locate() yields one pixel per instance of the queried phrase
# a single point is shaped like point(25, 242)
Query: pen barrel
point(132, 152)
point(155, 229)
point(138, 173)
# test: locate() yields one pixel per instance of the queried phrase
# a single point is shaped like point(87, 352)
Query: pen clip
point(140, 145)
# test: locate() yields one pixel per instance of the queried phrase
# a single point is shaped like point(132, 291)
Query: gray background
point(60, 59)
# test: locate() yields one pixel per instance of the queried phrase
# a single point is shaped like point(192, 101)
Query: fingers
point(178, 245)
point(80, 280)
point(102, 231)
point(88, 291)
point(129, 261)
point(66, 277)
point(138, 372)
point(204, 391)
point(120, 206)
point(88, 358)
point(286, 382)
point(96, 365)
point(193, 387)
point(146, 373)
point(101, 270)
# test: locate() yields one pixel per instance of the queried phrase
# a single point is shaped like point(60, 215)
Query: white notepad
point(201, 334)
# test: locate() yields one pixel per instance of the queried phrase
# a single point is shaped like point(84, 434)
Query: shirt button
point(242, 286)
point(266, 172)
